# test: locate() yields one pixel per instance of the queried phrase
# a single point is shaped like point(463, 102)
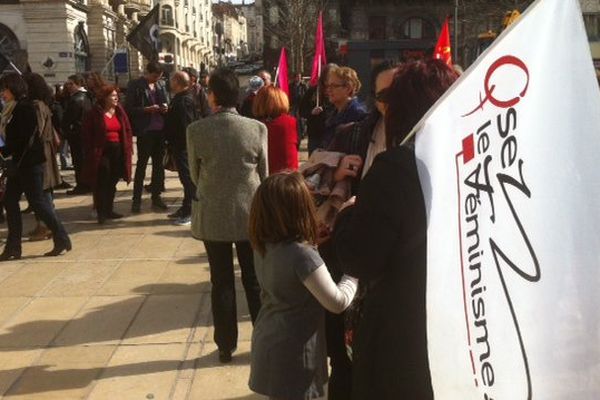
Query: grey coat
point(228, 160)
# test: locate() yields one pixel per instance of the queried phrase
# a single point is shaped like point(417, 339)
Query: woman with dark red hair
point(107, 145)
point(381, 240)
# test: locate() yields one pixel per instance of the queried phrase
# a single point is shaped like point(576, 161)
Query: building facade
point(186, 33)
point(230, 32)
point(60, 38)
point(254, 23)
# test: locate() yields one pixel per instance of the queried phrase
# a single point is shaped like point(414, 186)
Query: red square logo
point(468, 148)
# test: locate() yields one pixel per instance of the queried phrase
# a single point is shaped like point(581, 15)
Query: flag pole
point(319, 81)
point(15, 67)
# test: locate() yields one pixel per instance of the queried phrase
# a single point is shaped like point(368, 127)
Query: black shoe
point(177, 214)
point(58, 249)
point(114, 215)
point(101, 219)
point(64, 185)
point(77, 191)
point(158, 204)
point(136, 207)
point(225, 356)
point(10, 254)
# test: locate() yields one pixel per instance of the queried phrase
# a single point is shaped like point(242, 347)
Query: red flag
point(443, 51)
point(282, 73)
point(320, 58)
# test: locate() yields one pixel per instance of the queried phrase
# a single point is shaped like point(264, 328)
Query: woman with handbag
point(24, 143)
point(40, 94)
point(107, 146)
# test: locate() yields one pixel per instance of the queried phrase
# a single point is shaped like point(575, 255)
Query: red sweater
point(283, 144)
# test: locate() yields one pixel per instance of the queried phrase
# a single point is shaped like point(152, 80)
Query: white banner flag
point(509, 162)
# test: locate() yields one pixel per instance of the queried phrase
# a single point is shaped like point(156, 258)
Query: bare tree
point(477, 17)
point(293, 23)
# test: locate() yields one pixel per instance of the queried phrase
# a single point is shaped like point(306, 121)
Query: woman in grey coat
point(228, 161)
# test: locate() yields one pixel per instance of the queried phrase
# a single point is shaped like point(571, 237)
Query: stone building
point(60, 38)
point(230, 32)
point(186, 33)
point(374, 30)
point(255, 28)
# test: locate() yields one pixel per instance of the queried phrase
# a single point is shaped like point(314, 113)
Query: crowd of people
point(332, 252)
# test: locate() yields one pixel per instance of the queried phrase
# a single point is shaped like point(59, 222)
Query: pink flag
point(320, 58)
point(282, 73)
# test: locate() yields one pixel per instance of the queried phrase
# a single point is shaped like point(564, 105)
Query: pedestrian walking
point(182, 112)
point(297, 91)
point(24, 144)
point(288, 357)
point(78, 105)
point(228, 160)
point(271, 107)
point(146, 104)
point(40, 94)
point(108, 144)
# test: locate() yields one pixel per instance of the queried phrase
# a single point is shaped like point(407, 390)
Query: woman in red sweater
point(107, 144)
point(271, 106)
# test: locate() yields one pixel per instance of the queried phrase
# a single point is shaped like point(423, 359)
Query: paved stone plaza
point(124, 315)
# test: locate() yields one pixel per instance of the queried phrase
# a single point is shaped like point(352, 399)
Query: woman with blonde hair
point(271, 106)
point(341, 89)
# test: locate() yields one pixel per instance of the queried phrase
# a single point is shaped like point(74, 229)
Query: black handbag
point(169, 160)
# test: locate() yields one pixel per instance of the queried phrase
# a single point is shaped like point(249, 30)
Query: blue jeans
point(30, 180)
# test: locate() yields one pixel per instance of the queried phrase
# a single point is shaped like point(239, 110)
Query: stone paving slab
point(125, 315)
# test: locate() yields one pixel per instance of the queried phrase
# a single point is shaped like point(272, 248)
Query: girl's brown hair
point(270, 102)
point(282, 210)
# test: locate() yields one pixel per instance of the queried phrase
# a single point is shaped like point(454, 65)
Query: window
point(166, 15)
point(592, 26)
point(377, 28)
point(417, 28)
point(81, 49)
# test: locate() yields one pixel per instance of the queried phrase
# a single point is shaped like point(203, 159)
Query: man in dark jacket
point(198, 93)
point(77, 107)
point(182, 112)
point(146, 104)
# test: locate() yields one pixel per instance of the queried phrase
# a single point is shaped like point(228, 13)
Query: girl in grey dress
point(288, 357)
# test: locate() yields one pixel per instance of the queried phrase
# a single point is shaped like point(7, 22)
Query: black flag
point(145, 35)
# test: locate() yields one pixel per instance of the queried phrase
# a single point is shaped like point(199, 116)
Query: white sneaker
point(183, 221)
